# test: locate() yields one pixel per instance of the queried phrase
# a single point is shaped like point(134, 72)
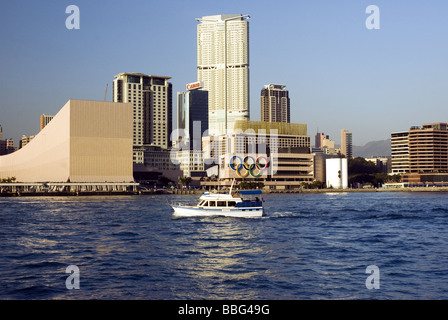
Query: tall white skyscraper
point(223, 68)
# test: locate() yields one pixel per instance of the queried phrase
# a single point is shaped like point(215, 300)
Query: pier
point(67, 188)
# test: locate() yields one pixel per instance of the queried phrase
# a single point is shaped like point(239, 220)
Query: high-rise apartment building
point(399, 148)
point(151, 97)
point(44, 120)
point(223, 68)
point(275, 104)
point(346, 143)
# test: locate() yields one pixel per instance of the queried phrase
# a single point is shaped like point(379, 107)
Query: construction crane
point(105, 91)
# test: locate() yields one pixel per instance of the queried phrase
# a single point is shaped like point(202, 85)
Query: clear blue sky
point(340, 75)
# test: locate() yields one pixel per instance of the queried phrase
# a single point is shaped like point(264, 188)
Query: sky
point(339, 73)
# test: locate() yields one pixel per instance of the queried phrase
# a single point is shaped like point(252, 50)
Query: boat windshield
point(250, 198)
point(250, 195)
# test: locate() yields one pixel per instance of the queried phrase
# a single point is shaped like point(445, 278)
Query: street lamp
point(241, 17)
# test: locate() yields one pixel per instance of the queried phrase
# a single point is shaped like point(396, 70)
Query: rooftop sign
point(194, 85)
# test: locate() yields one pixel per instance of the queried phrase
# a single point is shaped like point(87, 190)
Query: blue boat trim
point(249, 191)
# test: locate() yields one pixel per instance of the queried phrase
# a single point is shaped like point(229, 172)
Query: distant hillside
point(372, 149)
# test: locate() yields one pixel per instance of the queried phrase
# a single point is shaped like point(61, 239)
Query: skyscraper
point(192, 117)
point(275, 105)
point(346, 143)
point(152, 99)
point(223, 68)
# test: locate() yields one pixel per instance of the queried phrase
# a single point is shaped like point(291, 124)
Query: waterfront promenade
point(49, 193)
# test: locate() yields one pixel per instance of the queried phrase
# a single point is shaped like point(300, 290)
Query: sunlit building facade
point(151, 98)
point(87, 141)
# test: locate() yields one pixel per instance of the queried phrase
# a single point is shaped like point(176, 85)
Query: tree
point(365, 172)
point(250, 185)
point(360, 165)
point(184, 181)
point(317, 184)
point(164, 181)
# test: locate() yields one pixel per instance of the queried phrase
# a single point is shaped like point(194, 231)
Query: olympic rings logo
point(250, 168)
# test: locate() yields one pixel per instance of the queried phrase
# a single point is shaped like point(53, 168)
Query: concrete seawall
point(186, 192)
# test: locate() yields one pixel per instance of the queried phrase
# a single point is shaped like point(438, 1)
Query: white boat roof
point(218, 196)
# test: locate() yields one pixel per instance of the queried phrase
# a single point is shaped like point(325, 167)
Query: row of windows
point(139, 87)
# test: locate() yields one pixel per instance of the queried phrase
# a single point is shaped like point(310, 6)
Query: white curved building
point(337, 173)
point(87, 141)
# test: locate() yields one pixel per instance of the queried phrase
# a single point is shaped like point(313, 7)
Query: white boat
point(241, 204)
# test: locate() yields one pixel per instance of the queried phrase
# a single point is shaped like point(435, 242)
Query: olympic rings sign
point(249, 168)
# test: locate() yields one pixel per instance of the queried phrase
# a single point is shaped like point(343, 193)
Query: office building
point(428, 148)
point(346, 143)
point(223, 68)
point(323, 144)
point(158, 165)
point(7, 146)
point(286, 145)
point(399, 147)
point(151, 97)
point(275, 104)
point(192, 123)
point(319, 139)
point(421, 154)
point(192, 115)
point(44, 120)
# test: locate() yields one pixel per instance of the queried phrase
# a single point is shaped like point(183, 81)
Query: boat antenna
point(231, 187)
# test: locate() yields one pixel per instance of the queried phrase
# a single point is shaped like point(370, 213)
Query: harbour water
point(308, 246)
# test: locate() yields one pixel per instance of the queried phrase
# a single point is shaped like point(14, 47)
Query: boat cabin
point(238, 199)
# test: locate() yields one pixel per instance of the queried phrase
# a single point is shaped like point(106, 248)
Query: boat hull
point(183, 211)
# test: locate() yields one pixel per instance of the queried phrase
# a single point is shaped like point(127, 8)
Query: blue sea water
point(309, 246)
